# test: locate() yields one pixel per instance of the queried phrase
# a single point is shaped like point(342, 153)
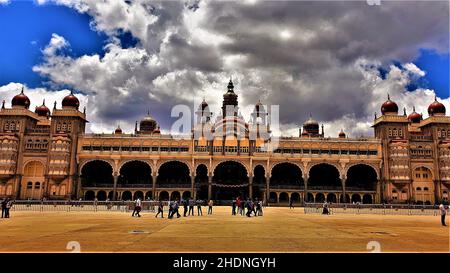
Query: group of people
point(6, 206)
point(238, 207)
point(188, 208)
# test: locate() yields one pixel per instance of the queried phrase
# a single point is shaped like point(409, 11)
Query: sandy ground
point(279, 230)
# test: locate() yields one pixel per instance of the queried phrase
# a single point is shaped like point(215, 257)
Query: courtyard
point(279, 230)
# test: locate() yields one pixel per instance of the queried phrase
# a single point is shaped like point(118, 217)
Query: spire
point(3, 104)
point(21, 92)
point(43, 102)
point(389, 97)
point(135, 127)
point(375, 115)
point(414, 108)
point(231, 86)
point(54, 105)
point(84, 110)
point(404, 111)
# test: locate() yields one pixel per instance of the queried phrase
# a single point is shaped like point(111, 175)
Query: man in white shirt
point(137, 208)
point(443, 212)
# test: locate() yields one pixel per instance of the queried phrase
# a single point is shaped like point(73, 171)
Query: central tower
point(230, 102)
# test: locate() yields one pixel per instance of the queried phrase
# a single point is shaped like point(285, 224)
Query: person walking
point(175, 209)
point(325, 208)
point(242, 207)
point(191, 206)
point(233, 206)
point(254, 204)
point(160, 209)
point(4, 202)
point(260, 211)
point(199, 207)
point(9, 205)
point(291, 203)
point(210, 206)
point(171, 207)
point(238, 205)
point(185, 207)
point(137, 208)
point(443, 212)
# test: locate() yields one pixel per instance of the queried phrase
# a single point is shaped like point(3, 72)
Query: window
point(390, 132)
point(400, 132)
point(58, 127)
point(37, 185)
point(425, 189)
point(69, 127)
point(418, 189)
point(29, 185)
point(64, 127)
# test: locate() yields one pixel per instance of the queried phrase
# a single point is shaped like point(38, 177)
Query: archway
point(230, 181)
point(163, 196)
point(367, 199)
point(175, 195)
point(138, 194)
point(273, 197)
point(324, 176)
point(201, 181)
point(187, 195)
point(286, 175)
point(320, 198)
point(423, 179)
point(148, 195)
point(174, 173)
point(259, 182)
point(127, 196)
point(135, 172)
point(356, 198)
point(110, 195)
point(284, 197)
point(331, 198)
point(295, 197)
point(33, 171)
point(101, 196)
point(97, 173)
point(89, 195)
point(361, 177)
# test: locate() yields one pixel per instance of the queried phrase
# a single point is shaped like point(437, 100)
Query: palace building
point(47, 154)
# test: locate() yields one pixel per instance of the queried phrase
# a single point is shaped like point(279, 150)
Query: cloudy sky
point(336, 60)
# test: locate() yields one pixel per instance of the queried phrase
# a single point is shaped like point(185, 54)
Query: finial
point(21, 92)
point(414, 108)
point(3, 104)
point(84, 110)
point(435, 97)
point(375, 115)
point(404, 111)
point(389, 97)
point(54, 105)
point(43, 102)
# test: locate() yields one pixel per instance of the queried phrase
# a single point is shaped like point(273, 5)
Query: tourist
point(210, 206)
point(199, 207)
point(4, 202)
point(137, 208)
point(242, 207)
point(325, 208)
point(191, 206)
point(254, 204)
point(443, 212)
point(9, 205)
point(160, 209)
point(291, 203)
point(233, 206)
point(260, 208)
point(170, 210)
point(238, 204)
point(249, 205)
point(185, 207)
point(175, 209)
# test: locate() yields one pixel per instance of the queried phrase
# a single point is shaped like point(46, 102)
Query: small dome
point(414, 117)
point(118, 130)
point(42, 110)
point(342, 134)
point(70, 101)
point(389, 107)
point(147, 124)
point(436, 108)
point(21, 100)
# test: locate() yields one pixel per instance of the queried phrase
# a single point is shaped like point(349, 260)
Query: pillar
point(250, 186)
point(344, 193)
point(210, 186)
point(305, 182)
point(78, 193)
point(192, 186)
point(154, 177)
point(267, 189)
point(378, 195)
point(116, 178)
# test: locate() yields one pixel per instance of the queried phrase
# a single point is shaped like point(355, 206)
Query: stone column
point(116, 178)
point(79, 190)
point(344, 193)
point(210, 186)
point(192, 185)
point(154, 177)
point(267, 190)
point(378, 195)
point(305, 182)
point(250, 186)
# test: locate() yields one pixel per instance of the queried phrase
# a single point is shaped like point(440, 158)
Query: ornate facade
point(47, 154)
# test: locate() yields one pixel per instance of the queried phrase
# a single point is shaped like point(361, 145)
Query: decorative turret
point(20, 101)
point(436, 108)
point(389, 107)
point(42, 110)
